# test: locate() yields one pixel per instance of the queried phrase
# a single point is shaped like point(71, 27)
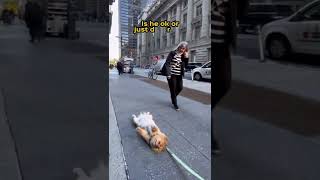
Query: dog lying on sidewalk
point(149, 131)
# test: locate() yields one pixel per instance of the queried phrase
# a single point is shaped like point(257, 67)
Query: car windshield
point(206, 64)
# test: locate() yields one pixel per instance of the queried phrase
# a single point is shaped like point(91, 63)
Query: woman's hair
point(182, 44)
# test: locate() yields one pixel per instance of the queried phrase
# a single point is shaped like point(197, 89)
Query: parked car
point(298, 33)
point(261, 14)
point(192, 65)
point(203, 72)
point(128, 67)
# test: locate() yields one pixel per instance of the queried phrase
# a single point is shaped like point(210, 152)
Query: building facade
point(109, 18)
point(129, 11)
point(194, 18)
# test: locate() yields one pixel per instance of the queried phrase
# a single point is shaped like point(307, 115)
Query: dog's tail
point(135, 119)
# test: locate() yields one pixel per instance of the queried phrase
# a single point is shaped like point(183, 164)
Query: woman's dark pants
point(175, 85)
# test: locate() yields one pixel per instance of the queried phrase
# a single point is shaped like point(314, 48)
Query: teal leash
point(184, 165)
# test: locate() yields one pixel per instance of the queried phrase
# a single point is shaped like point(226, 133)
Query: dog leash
point(184, 165)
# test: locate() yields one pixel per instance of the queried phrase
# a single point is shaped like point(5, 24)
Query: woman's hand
point(168, 77)
point(186, 54)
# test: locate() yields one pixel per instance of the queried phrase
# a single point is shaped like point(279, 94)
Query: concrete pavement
point(56, 103)
point(196, 85)
point(9, 164)
point(267, 125)
point(188, 130)
point(117, 164)
point(257, 150)
point(296, 80)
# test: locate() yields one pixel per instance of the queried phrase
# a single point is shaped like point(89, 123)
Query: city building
point(109, 19)
point(95, 9)
point(128, 18)
point(194, 18)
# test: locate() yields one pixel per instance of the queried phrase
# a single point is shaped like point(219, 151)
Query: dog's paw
point(139, 129)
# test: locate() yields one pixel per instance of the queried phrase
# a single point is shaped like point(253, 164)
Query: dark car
point(192, 65)
point(263, 13)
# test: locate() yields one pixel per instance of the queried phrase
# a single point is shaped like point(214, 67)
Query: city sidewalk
point(9, 167)
point(267, 125)
point(117, 162)
point(188, 130)
point(296, 80)
point(253, 150)
point(56, 103)
point(196, 85)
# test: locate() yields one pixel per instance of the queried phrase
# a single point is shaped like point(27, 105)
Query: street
point(267, 125)
point(188, 130)
point(55, 104)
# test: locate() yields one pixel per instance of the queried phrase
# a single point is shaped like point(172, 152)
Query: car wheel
point(278, 47)
point(197, 76)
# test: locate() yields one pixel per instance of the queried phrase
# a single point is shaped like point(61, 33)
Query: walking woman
point(173, 69)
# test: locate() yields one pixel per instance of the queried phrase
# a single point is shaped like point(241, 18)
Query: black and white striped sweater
point(176, 64)
point(218, 22)
point(172, 67)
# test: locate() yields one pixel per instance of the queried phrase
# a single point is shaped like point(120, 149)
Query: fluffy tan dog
point(149, 131)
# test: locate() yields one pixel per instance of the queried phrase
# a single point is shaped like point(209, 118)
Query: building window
point(185, 3)
point(184, 19)
point(183, 35)
point(165, 42)
point(193, 56)
point(173, 38)
point(165, 17)
point(197, 32)
point(199, 10)
point(174, 11)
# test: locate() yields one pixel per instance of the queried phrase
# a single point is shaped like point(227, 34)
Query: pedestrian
point(6, 16)
point(224, 34)
point(173, 69)
point(120, 67)
point(33, 18)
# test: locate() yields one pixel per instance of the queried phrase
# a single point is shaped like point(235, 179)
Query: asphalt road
point(56, 101)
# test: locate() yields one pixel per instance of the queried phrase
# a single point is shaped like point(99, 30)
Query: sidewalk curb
point(199, 86)
point(285, 78)
point(118, 169)
point(13, 171)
